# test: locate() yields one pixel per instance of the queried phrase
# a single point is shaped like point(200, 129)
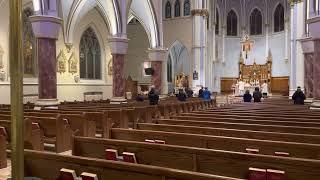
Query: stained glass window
point(232, 24)
point(256, 22)
point(90, 56)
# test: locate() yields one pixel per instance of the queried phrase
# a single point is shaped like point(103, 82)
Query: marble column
point(47, 68)
point(308, 76)
point(156, 79)
point(157, 57)
point(119, 48)
point(46, 30)
point(316, 70)
point(118, 89)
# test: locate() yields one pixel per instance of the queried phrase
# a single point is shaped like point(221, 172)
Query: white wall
point(137, 53)
point(276, 45)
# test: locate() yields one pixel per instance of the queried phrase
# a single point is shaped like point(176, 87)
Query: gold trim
point(200, 12)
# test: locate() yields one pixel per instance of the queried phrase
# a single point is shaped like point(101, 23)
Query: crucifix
point(246, 45)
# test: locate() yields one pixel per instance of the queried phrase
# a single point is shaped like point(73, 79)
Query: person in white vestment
point(264, 89)
point(241, 87)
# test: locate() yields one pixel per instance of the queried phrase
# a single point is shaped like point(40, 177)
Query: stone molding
point(157, 54)
point(118, 45)
point(46, 26)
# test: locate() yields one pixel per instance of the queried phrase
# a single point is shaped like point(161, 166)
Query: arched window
point(169, 69)
point(217, 21)
point(90, 56)
point(186, 8)
point(232, 24)
point(177, 8)
point(168, 9)
point(256, 22)
point(29, 42)
point(279, 19)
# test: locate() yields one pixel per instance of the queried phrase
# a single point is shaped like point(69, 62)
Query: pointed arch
point(232, 23)
point(256, 22)
point(186, 8)
point(177, 8)
point(168, 10)
point(278, 18)
point(90, 55)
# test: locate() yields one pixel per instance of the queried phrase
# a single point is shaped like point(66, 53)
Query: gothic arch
point(232, 23)
point(256, 21)
point(82, 7)
point(280, 22)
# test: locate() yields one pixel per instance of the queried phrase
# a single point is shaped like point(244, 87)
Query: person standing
point(257, 95)
point(264, 88)
point(298, 97)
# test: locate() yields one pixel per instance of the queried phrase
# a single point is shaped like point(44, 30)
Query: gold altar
point(255, 74)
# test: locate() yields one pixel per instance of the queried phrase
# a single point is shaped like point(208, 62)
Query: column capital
point(307, 45)
point(46, 26)
point(158, 54)
point(118, 45)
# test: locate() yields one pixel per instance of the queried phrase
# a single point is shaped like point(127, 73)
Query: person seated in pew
point(181, 96)
point(247, 96)
point(140, 98)
point(200, 94)
point(257, 95)
point(298, 97)
point(153, 97)
point(206, 94)
point(189, 92)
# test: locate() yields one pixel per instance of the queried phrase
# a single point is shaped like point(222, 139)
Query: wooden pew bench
point(243, 126)
point(267, 147)
point(275, 136)
point(3, 150)
point(199, 159)
point(32, 134)
point(247, 121)
point(104, 169)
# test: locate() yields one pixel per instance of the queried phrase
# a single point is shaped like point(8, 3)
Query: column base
point(47, 103)
point(118, 100)
point(309, 100)
point(315, 105)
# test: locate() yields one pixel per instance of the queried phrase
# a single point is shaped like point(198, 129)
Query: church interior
point(157, 89)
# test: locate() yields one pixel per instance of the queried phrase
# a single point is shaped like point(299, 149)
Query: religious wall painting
point(73, 64)
point(110, 68)
point(29, 44)
point(61, 62)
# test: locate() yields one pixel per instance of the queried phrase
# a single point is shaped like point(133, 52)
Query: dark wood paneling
point(280, 85)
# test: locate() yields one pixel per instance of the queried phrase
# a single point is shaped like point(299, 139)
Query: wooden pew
point(300, 150)
point(243, 126)
point(198, 159)
point(32, 134)
point(266, 117)
point(3, 152)
point(248, 121)
point(34, 166)
point(290, 137)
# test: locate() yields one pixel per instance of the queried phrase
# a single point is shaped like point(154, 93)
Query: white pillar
point(199, 42)
point(299, 52)
point(296, 55)
point(267, 40)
